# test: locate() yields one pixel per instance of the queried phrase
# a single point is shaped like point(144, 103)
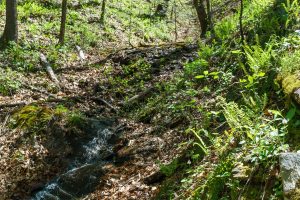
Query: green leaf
point(297, 123)
point(250, 79)
point(261, 74)
point(275, 112)
point(205, 73)
point(249, 135)
point(291, 114)
point(214, 73)
point(199, 76)
point(236, 52)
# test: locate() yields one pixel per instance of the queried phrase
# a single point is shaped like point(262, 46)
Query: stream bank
point(60, 155)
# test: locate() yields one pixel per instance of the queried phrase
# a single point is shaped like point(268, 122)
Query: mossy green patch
point(290, 83)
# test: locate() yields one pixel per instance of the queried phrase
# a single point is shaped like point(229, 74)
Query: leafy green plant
point(290, 63)
point(9, 81)
point(74, 118)
point(171, 168)
point(258, 59)
point(292, 9)
point(206, 74)
point(239, 119)
point(199, 142)
point(255, 102)
point(268, 141)
point(196, 67)
point(218, 180)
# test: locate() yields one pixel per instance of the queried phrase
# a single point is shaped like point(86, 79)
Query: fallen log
point(49, 69)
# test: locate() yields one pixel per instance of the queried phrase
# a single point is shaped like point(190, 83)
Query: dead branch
point(80, 53)
point(11, 105)
point(49, 69)
point(34, 89)
point(139, 97)
point(97, 99)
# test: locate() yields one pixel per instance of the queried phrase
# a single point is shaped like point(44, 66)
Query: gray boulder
point(290, 174)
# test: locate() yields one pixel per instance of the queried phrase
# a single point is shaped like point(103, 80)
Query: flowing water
point(90, 152)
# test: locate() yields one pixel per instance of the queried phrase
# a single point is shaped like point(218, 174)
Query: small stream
point(94, 149)
point(90, 152)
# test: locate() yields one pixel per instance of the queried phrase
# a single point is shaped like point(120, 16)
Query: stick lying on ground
point(97, 99)
point(139, 97)
point(11, 105)
point(34, 89)
point(49, 69)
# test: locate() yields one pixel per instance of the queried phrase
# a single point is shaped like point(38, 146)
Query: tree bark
point(241, 22)
point(63, 22)
point(202, 16)
point(103, 8)
point(11, 25)
point(209, 16)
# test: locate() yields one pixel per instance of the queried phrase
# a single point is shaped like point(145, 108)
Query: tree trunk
point(241, 22)
point(209, 16)
point(63, 22)
point(202, 16)
point(103, 8)
point(11, 25)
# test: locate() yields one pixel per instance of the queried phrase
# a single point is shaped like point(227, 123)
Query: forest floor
point(142, 148)
point(135, 52)
point(198, 121)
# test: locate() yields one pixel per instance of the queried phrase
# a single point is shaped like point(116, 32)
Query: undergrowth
point(249, 122)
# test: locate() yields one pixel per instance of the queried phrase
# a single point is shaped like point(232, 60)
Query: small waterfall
point(85, 168)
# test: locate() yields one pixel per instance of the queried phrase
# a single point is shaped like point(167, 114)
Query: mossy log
point(291, 87)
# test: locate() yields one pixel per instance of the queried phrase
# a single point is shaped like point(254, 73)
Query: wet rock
point(290, 174)
point(86, 178)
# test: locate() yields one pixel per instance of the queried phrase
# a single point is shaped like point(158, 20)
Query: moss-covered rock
point(291, 83)
point(291, 86)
